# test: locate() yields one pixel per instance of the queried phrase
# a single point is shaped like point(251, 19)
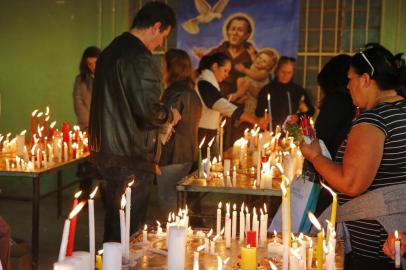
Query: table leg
point(59, 194)
point(35, 221)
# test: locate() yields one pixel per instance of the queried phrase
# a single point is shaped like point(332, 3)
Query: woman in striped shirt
point(374, 154)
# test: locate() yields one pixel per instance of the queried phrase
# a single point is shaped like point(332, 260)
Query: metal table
point(36, 175)
point(151, 260)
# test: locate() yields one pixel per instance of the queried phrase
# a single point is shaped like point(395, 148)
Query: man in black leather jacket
point(126, 115)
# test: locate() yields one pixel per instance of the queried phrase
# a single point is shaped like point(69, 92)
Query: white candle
point(242, 224)
point(397, 250)
point(263, 230)
point(65, 152)
point(38, 158)
point(247, 220)
point(7, 164)
point(196, 257)
point(228, 227)
point(227, 166)
point(145, 234)
point(159, 231)
point(44, 154)
point(285, 228)
point(255, 223)
point(234, 179)
point(221, 137)
point(309, 252)
point(25, 154)
point(64, 265)
point(91, 228)
point(208, 149)
point(218, 227)
point(122, 226)
point(51, 154)
point(207, 242)
point(128, 219)
point(59, 149)
point(234, 226)
point(85, 258)
point(177, 247)
point(302, 252)
point(112, 257)
point(219, 263)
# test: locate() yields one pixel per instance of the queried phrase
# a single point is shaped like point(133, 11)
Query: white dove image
point(206, 15)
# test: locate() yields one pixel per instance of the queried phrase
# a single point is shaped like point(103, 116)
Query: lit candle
point(65, 152)
point(320, 238)
point(196, 257)
point(228, 226)
point(200, 167)
point(227, 166)
point(99, 262)
point(52, 130)
point(38, 158)
point(218, 228)
point(234, 230)
point(207, 241)
point(262, 230)
point(72, 227)
point(234, 179)
point(7, 164)
point(255, 224)
point(33, 125)
point(219, 263)
point(25, 154)
point(247, 220)
point(159, 231)
point(221, 137)
point(333, 206)
point(259, 157)
point(208, 148)
point(74, 150)
point(45, 127)
point(51, 154)
point(145, 234)
point(272, 265)
point(309, 252)
point(302, 251)
point(44, 154)
point(248, 258)
point(270, 112)
point(127, 219)
point(242, 224)
point(397, 250)
point(39, 115)
point(66, 230)
point(285, 227)
point(90, 203)
point(289, 102)
point(122, 226)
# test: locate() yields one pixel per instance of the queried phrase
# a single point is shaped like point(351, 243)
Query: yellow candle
point(248, 258)
point(99, 263)
point(333, 206)
point(320, 239)
point(287, 183)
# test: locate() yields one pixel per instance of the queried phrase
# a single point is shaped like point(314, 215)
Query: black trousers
point(356, 262)
point(115, 188)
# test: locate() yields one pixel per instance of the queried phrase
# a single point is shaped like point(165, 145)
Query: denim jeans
point(171, 174)
point(116, 184)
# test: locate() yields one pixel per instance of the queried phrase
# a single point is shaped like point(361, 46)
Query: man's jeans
point(116, 185)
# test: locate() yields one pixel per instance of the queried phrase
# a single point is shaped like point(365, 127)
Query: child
point(257, 76)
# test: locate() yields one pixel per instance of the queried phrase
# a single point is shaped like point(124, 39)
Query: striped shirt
point(368, 236)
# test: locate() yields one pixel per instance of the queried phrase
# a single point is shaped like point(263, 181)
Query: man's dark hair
point(209, 60)
point(91, 51)
point(240, 18)
point(154, 12)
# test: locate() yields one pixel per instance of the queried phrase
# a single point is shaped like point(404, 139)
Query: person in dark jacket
point(126, 114)
point(287, 98)
point(180, 152)
point(336, 112)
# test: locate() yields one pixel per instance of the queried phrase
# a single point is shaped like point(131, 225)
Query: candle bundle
point(307, 128)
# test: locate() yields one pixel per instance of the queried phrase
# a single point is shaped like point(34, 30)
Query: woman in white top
point(213, 70)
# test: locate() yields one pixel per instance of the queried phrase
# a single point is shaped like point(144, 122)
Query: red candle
point(33, 125)
point(72, 228)
point(65, 131)
point(52, 130)
point(44, 131)
point(252, 238)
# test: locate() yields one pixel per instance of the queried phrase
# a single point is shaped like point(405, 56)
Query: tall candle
point(248, 258)
point(242, 223)
point(234, 223)
point(207, 241)
point(255, 224)
point(397, 250)
point(285, 227)
point(208, 149)
point(219, 263)
point(334, 204)
point(309, 252)
point(196, 257)
point(38, 158)
point(112, 255)
point(289, 102)
point(200, 165)
point(33, 125)
point(91, 227)
point(247, 220)
point(320, 239)
point(221, 138)
point(72, 228)
point(228, 226)
point(122, 226)
point(227, 166)
point(65, 152)
point(177, 247)
point(234, 179)
point(128, 218)
point(218, 227)
point(262, 230)
point(52, 129)
point(66, 232)
point(270, 112)
point(99, 262)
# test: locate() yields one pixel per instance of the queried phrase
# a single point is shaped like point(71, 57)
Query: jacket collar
point(208, 75)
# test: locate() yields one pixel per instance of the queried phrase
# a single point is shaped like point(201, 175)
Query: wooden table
point(35, 176)
point(152, 260)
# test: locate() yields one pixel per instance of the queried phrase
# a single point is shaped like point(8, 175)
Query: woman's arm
point(258, 75)
point(360, 162)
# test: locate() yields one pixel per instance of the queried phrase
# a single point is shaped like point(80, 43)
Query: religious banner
point(204, 25)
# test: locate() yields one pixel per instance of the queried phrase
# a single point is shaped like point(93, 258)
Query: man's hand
point(240, 68)
point(175, 116)
point(389, 246)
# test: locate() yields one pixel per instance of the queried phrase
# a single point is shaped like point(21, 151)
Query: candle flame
point(246, 209)
point(228, 207)
point(397, 235)
point(279, 166)
point(309, 239)
point(47, 110)
point(159, 223)
point(40, 114)
point(202, 142)
point(223, 123)
point(226, 260)
point(94, 192)
point(222, 231)
point(269, 97)
point(219, 205)
point(295, 253)
point(314, 220)
point(329, 190)
point(248, 246)
point(52, 124)
point(131, 183)
point(169, 217)
point(216, 237)
point(200, 248)
point(123, 201)
point(76, 210)
point(255, 184)
point(262, 212)
point(39, 131)
point(34, 113)
point(100, 252)
point(145, 227)
point(209, 233)
point(76, 128)
point(77, 194)
point(214, 160)
point(283, 188)
point(242, 207)
point(265, 209)
point(23, 132)
point(234, 206)
point(272, 265)
point(211, 142)
point(173, 216)
point(254, 211)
